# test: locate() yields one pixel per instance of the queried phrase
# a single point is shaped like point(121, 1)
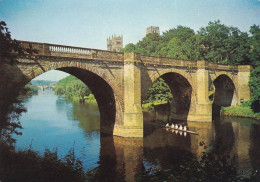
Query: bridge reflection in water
point(126, 158)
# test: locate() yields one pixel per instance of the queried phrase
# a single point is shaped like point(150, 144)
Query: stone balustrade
point(63, 49)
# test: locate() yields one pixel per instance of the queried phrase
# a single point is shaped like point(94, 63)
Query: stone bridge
point(120, 81)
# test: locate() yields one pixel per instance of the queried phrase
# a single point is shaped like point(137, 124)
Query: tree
point(254, 84)
point(222, 44)
point(159, 91)
point(77, 89)
point(149, 45)
point(8, 46)
point(72, 87)
point(12, 107)
point(129, 48)
point(254, 43)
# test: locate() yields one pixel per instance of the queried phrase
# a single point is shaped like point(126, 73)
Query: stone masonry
point(120, 81)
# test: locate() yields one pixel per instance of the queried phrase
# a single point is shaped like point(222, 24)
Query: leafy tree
point(254, 85)
point(29, 89)
point(59, 89)
point(254, 52)
point(71, 87)
point(149, 45)
point(8, 45)
point(181, 44)
point(129, 48)
point(13, 107)
point(222, 44)
point(159, 91)
point(76, 88)
point(10, 124)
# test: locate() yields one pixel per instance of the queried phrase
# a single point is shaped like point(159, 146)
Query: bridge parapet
point(55, 50)
point(152, 60)
point(214, 66)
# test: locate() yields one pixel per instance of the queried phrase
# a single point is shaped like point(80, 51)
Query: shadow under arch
point(103, 93)
point(109, 107)
point(181, 91)
point(225, 94)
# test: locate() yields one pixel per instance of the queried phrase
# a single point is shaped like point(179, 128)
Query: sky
point(88, 23)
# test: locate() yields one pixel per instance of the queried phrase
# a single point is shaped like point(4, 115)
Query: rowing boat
point(169, 127)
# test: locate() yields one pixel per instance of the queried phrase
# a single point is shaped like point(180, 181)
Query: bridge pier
point(243, 80)
point(132, 125)
point(201, 110)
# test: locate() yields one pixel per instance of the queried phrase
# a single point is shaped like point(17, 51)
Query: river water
point(53, 123)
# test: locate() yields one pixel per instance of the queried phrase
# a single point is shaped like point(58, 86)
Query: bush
point(254, 84)
point(29, 166)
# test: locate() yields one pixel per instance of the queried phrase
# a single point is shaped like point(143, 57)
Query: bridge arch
point(159, 73)
point(181, 88)
point(225, 92)
point(109, 102)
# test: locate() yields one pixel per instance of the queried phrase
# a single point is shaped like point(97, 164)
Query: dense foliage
point(9, 45)
point(11, 124)
point(13, 107)
point(159, 91)
point(215, 43)
point(254, 85)
point(30, 166)
point(72, 88)
point(29, 89)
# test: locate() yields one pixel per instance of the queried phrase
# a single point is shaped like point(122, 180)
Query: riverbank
point(150, 105)
point(239, 111)
point(88, 99)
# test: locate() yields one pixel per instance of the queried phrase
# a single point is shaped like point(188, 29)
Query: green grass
point(240, 111)
point(150, 105)
point(90, 98)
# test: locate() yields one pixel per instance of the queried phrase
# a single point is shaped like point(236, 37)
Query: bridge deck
point(63, 51)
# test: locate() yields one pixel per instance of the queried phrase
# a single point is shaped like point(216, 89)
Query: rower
point(176, 126)
point(172, 126)
point(185, 128)
point(167, 125)
point(180, 127)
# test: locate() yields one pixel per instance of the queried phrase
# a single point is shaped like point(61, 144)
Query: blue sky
point(88, 23)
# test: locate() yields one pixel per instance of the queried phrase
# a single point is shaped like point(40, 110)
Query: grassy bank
point(150, 105)
point(240, 111)
point(88, 99)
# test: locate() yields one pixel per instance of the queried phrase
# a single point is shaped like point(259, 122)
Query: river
point(52, 123)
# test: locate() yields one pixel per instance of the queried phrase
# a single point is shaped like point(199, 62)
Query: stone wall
point(120, 81)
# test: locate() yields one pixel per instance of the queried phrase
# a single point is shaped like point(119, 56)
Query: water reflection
point(254, 149)
point(239, 137)
point(120, 159)
point(52, 122)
